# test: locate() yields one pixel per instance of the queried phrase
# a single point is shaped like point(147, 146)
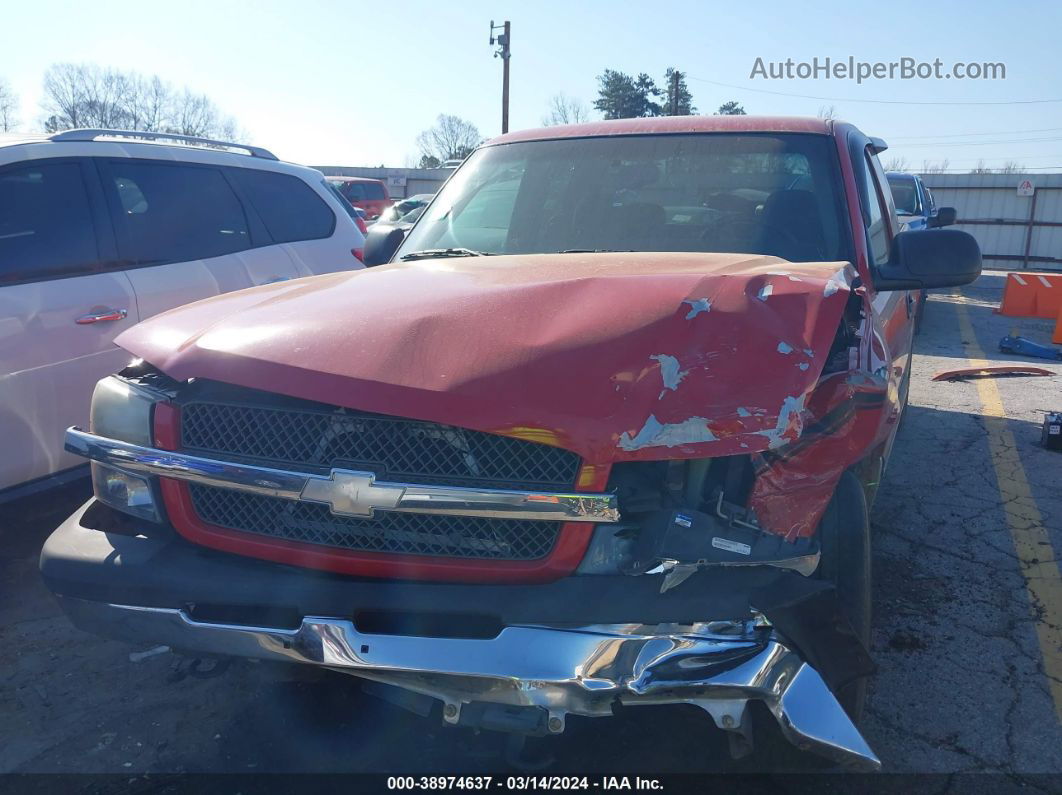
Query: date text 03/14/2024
point(522, 783)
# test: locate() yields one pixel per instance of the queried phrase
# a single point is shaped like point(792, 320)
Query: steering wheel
point(737, 228)
point(788, 239)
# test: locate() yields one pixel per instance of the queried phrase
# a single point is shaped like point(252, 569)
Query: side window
point(289, 208)
point(171, 213)
point(931, 205)
point(878, 234)
point(46, 225)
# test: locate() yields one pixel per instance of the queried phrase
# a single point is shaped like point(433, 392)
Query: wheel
point(844, 536)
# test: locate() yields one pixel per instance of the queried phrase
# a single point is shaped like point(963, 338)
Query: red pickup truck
point(366, 194)
point(602, 429)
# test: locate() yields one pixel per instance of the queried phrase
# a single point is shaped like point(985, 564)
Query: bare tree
point(8, 107)
point(451, 138)
point(86, 95)
point(195, 114)
point(896, 164)
point(1011, 167)
point(565, 110)
point(827, 112)
point(64, 97)
point(980, 168)
point(935, 168)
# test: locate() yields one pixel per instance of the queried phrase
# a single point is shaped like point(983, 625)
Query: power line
point(966, 135)
point(936, 144)
point(870, 101)
point(1003, 158)
point(968, 170)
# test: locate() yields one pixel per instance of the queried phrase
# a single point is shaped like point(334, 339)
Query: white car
point(102, 229)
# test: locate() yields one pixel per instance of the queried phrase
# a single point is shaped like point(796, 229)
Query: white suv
point(102, 229)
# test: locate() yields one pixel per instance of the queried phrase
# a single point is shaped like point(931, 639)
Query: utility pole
point(503, 40)
point(676, 75)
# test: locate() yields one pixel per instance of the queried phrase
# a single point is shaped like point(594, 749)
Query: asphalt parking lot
point(968, 638)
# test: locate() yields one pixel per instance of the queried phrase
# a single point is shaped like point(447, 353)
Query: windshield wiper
point(428, 253)
point(596, 251)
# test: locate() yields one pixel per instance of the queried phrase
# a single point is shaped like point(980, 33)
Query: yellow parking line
point(1032, 544)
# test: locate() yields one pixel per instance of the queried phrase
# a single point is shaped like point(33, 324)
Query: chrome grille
point(314, 438)
point(396, 533)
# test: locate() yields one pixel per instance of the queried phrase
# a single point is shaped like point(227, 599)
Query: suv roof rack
point(141, 135)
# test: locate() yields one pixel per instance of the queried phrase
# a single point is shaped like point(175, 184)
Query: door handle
point(102, 316)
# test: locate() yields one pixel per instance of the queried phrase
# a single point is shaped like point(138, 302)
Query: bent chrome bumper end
point(549, 671)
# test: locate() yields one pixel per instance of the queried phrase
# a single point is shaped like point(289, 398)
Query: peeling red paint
point(567, 349)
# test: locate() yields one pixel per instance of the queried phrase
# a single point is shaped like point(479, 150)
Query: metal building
point(1016, 218)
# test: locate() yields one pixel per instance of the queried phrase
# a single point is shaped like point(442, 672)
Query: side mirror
point(929, 258)
point(944, 216)
point(381, 243)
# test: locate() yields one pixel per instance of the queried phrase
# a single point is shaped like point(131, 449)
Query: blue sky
point(352, 83)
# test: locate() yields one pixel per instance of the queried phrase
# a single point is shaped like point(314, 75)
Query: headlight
point(123, 410)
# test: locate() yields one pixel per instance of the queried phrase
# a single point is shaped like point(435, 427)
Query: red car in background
point(368, 194)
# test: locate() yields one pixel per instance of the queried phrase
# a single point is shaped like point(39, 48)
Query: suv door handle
point(102, 316)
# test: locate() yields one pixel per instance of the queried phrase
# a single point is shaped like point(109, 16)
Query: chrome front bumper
point(718, 666)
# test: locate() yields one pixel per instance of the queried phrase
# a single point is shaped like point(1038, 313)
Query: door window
point(289, 208)
point(172, 213)
point(46, 225)
point(877, 226)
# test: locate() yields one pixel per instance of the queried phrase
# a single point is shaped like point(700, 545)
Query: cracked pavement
point(961, 684)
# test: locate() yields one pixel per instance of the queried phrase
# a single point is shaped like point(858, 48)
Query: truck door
point(894, 312)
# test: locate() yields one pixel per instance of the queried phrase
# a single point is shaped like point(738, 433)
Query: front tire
point(844, 536)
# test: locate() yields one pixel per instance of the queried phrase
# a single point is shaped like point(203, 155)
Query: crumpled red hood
point(616, 356)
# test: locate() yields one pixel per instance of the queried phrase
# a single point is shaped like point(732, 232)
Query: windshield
point(905, 194)
point(719, 192)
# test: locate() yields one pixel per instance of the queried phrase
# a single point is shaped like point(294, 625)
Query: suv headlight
point(124, 411)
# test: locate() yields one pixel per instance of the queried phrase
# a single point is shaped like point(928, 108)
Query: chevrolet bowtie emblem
point(349, 493)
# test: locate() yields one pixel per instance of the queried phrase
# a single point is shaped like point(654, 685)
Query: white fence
point(1017, 228)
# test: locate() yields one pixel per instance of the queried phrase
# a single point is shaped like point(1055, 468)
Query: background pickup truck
point(604, 432)
point(915, 207)
point(916, 210)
